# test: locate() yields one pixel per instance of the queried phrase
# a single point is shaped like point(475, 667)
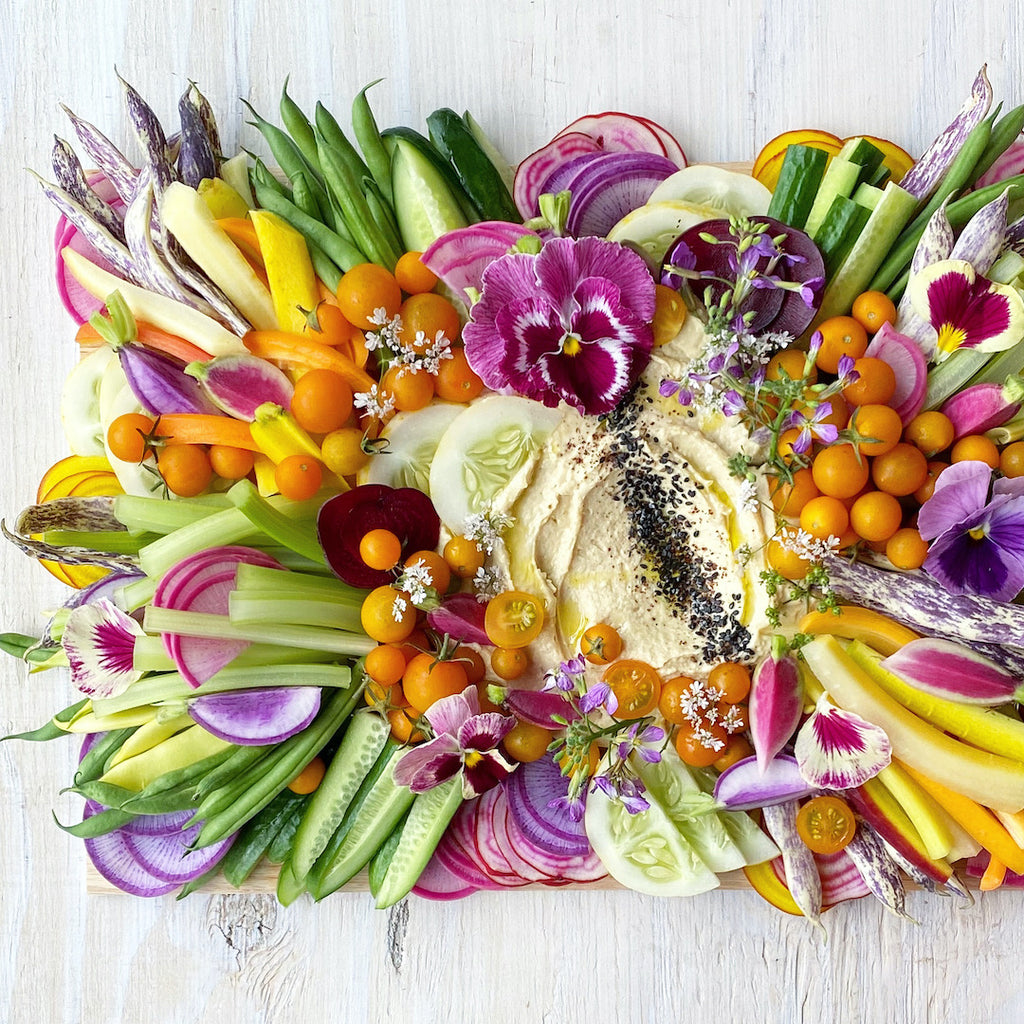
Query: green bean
point(98, 824)
point(253, 840)
point(346, 192)
point(236, 762)
point(197, 883)
point(17, 644)
point(296, 753)
point(306, 202)
point(187, 774)
point(103, 792)
point(167, 801)
point(1005, 131)
point(367, 134)
point(262, 178)
point(341, 252)
point(94, 763)
point(383, 217)
point(50, 731)
point(329, 128)
point(299, 128)
point(325, 268)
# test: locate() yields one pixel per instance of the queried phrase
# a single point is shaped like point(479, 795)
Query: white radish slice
point(729, 191)
point(412, 440)
point(485, 446)
point(651, 229)
point(80, 403)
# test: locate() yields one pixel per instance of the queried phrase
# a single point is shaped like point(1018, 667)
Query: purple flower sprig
point(595, 703)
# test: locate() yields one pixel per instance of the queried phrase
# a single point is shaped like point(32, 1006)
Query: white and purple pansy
point(464, 741)
point(99, 641)
point(976, 527)
point(966, 309)
point(837, 749)
point(570, 324)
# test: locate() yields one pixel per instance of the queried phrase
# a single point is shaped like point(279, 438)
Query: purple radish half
point(540, 707)
point(168, 857)
point(743, 786)
point(979, 408)
point(461, 616)
point(257, 717)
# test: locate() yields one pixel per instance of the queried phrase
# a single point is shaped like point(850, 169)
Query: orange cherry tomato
point(385, 664)
point(411, 389)
point(387, 615)
point(927, 489)
point(328, 325)
point(673, 699)
point(509, 662)
point(322, 401)
point(342, 451)
point(309, 778)
point(824, 517)
point(298, 477)
point(380, 549)
point(424, 317)
point(789, 497)
point(229, 462)
point(905, 549)
point(527, 742)
point(456, 381)
point(1011, 460)
point(930, 431)
point(600, 644)
point(436, 566)
point(669, 314)
point(636, 685)
point(785, 562)
point(882, 423)
point(427, 680)
point(876, 384)
point(840, 336)
point(365, 289)
point(876, 516)
point(464, 557)
point(185, 469)
point(872, 309)
point(900, 471)
point(789, 363)
point(513, 619)
point(737, 749)
point(126, 436)
point(733, 679)
point(826, 824)
point(472, 662)
point(403, 726)
point(413, 275)
point(840, 471)
point(975, 448)
point(700, 749)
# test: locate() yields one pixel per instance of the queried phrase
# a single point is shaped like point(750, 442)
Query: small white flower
point(416, 580)
point(399, 608)
point(374, 402)
point(486, 527)
point(803, 545)
point(488, 582)
point(748, 495)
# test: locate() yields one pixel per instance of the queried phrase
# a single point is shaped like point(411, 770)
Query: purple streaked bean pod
point(923, 178)
point(801, 871)
point(110, 248)
point(150, 135)
point(982, 237)
point(209, 119)
point(71, 177)
point(150, 269)
point(195, 158)
point(116, 167)
point(1015, 235)
point(936, 244)
point(880, 872)
point(925, 881)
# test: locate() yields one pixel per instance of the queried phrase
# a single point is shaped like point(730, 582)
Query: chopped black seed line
point(664, 538)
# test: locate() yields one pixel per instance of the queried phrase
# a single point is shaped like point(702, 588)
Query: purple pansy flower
point(570, 324)
point(99, 641)
point(464, 741)
point(977, 536)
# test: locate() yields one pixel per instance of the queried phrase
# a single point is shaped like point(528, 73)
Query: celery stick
point(952, 374)
point(159, 515)
point(150, 655)
point(250, 610)
point(303, 584)
point(169, 686)
point(275, 524)
point(220, 627)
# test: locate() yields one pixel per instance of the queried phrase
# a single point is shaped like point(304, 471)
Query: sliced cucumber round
point(731, 192)
point(652, 228)
point(80, 403)
point(412, 440)
point(482, 450)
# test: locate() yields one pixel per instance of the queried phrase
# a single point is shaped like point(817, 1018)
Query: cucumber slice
point(482, 450)
point(412, 439)
point(652, 228)
point(425, 824)
point(731, 192)
point(840, 179)
point(360, 747)
point(385, 804)
point(803, 167)
point(426, 206)
point(80, 403)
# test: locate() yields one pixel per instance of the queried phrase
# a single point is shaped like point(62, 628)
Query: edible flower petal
point(953, 671)
point(99, 641)
point(966, 309)
point(570, 324)
point(977, 542)
point(837, 749)
point(464, 740)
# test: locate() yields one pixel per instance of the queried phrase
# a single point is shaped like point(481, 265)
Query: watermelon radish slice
point(909, 365)
point(257, 717)
point(113, 859)
point(616, 132)
point(168, 858)
point(436, 882)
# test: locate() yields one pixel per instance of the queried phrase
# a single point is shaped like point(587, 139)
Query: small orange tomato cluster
point(709, 716)
point(868, 487)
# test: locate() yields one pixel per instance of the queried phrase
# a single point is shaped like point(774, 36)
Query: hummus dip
point(636, 521)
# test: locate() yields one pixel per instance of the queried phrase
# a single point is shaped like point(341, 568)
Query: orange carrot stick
point(994, 876)
point(203, 428)
point(298, 350)
point(152, 337)
point(983, 826)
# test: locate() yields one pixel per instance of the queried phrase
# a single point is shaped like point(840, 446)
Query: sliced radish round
point(113, 859)
point(491, 804)
point(537, 167)
point(167, 856)
point(257, 717)
point(157, 824)
point(531, 789)
point(616, 132)
point(436, 882)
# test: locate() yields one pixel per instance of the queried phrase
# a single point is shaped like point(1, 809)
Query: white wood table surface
point(724, 76)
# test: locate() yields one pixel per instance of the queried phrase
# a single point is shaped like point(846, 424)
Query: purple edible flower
point(464, 741)
point(637, 739)
point(572, 323)
point(811, 427)
point(977, 537)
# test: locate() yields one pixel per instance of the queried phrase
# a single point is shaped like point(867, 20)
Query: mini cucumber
point(253, 841)
point(865, 154)
point(360, 747)
point(289, 887)
point(477, 175)
point(803, 167)
point(412, 439)
point(382, 858)
point(868, 195)
point(840, 179)
point(428, 818)
point(281, 844)
point(501, 165)
point(385, 804)
point(839, 230)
